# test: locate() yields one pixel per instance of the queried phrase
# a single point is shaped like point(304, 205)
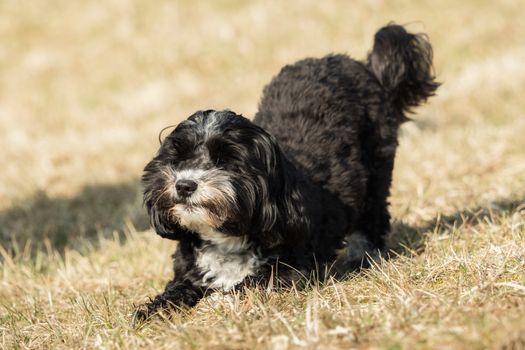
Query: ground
point(85, 87)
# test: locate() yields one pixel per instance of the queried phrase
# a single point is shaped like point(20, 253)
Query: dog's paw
point(141, 314)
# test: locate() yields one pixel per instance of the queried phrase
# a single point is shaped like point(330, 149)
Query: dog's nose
point(185, 187)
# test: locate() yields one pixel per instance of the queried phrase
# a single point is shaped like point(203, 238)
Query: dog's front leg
point(177, 294)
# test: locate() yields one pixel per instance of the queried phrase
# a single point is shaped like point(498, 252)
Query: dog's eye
point(218, 150)
point(180, 148)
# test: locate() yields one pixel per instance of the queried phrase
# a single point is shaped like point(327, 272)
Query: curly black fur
point(302, 188)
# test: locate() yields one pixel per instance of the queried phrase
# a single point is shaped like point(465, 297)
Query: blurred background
point(85, 87)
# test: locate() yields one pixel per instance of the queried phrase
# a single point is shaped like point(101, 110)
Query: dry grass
point(84, 89)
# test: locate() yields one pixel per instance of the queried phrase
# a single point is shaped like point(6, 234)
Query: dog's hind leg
point(357, 252)
point(366, 240)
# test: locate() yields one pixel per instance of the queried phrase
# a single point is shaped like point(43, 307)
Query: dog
point(300, 190)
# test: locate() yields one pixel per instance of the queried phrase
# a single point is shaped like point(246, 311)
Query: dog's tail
point(402, 62)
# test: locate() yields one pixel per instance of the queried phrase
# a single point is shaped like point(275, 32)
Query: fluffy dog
point(301, 189)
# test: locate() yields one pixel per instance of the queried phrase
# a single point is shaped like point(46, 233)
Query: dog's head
point(218, 175)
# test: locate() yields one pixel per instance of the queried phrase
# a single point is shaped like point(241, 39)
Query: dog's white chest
point(223, 268)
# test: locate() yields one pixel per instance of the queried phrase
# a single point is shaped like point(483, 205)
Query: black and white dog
point(301, 189)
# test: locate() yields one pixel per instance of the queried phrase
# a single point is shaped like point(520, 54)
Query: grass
point(84, 90)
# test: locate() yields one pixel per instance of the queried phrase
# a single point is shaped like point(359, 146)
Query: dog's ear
point(281, 214)
point(159, 224)
point(162, 225)
point(157, 206)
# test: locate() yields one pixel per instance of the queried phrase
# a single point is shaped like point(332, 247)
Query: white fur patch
point(225, 261)
point(190, 174)
point(195, 218)
point(224, 270)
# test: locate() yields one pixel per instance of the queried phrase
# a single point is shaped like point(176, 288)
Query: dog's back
point(338, 118)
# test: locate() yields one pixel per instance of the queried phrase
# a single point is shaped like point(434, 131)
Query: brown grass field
point(85, 88)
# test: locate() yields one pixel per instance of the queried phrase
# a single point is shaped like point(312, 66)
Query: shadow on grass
point(96, 210)
point(102, 210)
point(409, 240)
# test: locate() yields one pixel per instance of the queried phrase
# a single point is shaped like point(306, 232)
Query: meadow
point(85, 88)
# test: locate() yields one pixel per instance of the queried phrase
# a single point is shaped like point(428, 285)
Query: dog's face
point(216, 175)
